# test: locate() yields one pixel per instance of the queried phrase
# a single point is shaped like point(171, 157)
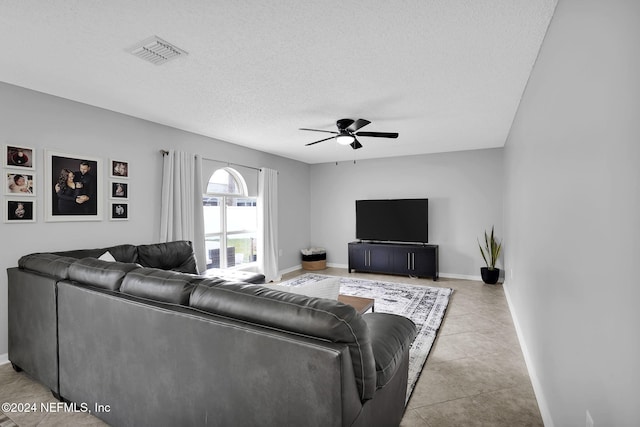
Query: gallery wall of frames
point(67, 187)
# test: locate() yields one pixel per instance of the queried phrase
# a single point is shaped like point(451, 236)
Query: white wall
point(42, 122)
point(464, 191)
point(572, 216)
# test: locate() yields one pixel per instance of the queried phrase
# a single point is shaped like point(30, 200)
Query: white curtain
point(268, 224)
point(181, 213)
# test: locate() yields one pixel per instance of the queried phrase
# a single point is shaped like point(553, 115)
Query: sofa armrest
point(391, 335)
point(47, 264)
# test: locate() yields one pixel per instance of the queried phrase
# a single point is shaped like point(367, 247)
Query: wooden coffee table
point(360, 304)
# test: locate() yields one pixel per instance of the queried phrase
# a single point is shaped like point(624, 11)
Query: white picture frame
point(119, 190)
point(119, 211)
point(118, 169)
point(17, 156)
point(19, 183)
point(19, 211)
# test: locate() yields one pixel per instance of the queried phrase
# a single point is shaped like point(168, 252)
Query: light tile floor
point(474, 376)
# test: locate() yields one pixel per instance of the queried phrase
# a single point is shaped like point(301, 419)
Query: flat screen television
point(397, 220)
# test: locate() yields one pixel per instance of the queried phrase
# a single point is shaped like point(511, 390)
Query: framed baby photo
point(19, 211)
point(73, 187)
point(19, 184)
point(119, 190)
point(119, 169)
point(119, 211)
point(15, 156)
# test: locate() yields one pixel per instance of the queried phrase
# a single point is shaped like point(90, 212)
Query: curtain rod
point(165, 152)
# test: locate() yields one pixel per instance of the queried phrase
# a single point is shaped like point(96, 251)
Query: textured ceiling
point(446, 75)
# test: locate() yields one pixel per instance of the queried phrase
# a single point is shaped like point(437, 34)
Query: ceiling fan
point(348, 130)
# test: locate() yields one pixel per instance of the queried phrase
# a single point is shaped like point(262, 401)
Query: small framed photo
point(72, 187)
point(119, 211)
point(19, 157)
point(20, 184)
point(20, 211)
point(119, 169)
point(119, 190)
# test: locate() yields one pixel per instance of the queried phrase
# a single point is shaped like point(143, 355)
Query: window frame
point(223, 198)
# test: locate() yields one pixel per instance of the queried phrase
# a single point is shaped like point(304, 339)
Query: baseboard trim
point(4, 358)
point(290, 269)
point(330, 264)
point(460, 276)
point(535, 382)
point(345, 266)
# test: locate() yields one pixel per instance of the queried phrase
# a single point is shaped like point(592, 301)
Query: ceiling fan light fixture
point(345, 139)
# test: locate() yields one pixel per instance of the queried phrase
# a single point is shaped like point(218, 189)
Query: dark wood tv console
point(419, 260)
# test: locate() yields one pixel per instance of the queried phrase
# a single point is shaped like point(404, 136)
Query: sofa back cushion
point(158, 285)
point(49, 264)
point(121, 253)
point(99, 273)
point(176, 256)
point(316, 317)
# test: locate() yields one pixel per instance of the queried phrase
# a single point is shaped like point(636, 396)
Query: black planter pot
point(490, 277)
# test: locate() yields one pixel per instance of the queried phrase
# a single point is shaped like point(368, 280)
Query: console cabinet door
point(420, 261)
point(369, 257)
point(357, 257)
point(380, 258)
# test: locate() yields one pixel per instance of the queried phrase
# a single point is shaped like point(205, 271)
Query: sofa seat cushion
point(158, 285)
point(50, 264)
point(391, 336)
point(315, 317)
point(176, 256)
point(99, 273)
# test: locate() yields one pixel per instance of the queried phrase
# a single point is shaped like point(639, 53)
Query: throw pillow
point(107, 257)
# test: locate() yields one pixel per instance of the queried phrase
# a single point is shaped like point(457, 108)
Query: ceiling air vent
point(156, 50)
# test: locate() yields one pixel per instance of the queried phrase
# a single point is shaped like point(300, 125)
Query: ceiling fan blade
point(379, 134)
point(360, 123)
point(355, 144)
point(318, 130)
point(315, 142)
point(343, 124)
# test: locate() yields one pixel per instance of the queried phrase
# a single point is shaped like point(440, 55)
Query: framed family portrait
point(72, 187)
point(20, 184)
point(19, 211)
point(18, 157)
point(119, 169)
point(119, 211)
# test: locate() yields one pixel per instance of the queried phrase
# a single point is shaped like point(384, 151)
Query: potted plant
point(490, 253)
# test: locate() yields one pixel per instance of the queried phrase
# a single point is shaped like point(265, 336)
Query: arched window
point(226, 182)
point(230, 220)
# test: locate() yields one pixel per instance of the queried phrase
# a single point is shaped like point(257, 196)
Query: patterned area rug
point(424, 305)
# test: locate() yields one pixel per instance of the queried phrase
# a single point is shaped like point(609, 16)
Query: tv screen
point(399, 220)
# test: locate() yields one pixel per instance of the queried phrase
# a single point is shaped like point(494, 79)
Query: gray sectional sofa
point(141, 345)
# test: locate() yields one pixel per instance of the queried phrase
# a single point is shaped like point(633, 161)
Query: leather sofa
point(155, 346)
